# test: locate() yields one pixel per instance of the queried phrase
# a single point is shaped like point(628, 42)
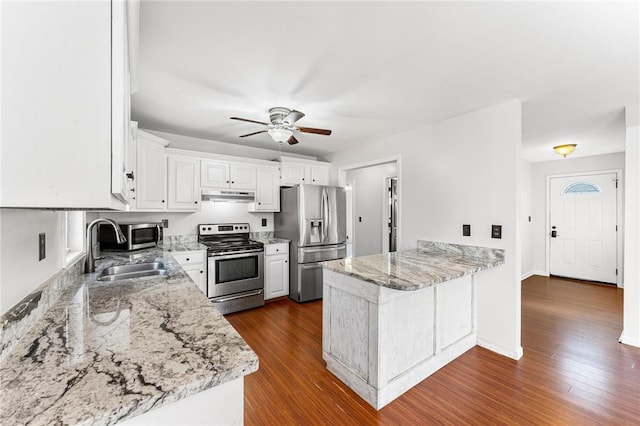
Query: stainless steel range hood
point(228, 195)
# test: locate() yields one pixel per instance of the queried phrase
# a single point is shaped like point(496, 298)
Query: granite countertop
point(104, 351)
point(271, 240)
point(429, 264)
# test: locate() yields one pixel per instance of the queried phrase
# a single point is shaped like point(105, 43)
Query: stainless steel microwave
point(139, 236)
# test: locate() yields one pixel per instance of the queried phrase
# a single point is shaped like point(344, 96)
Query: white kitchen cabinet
point(150, 175)
point(222, 174)
point(183, 186)
point(319, 175)
point(296, 171)
point(194, 264)
point(267, 190)
point(276, 270)
point(214, 174)
point(65, 105)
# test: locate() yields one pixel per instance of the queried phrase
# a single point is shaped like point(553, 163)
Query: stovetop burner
point(227, 237)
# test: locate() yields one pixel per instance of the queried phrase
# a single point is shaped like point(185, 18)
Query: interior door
point(583, 227)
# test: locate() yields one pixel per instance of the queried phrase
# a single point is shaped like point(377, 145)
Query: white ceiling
point(372, 69)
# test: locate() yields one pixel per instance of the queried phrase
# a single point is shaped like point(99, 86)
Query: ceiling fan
point(281, 126)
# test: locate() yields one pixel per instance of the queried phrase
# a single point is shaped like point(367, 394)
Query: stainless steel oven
point(235, 267)
point(235, 272)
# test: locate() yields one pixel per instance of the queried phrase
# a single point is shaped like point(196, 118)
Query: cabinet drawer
point(188, 257)
point(272, 249)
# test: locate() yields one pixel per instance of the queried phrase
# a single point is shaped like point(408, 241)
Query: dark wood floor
point(573, 371)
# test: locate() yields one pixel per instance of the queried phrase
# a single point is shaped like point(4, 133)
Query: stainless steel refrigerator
point(314, 219)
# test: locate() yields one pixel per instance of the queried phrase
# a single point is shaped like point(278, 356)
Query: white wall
point(526, 213)
point(187, 223)
point(540, 173)
point(222, 148)
point(20, 270)
point(369, 201)
point(631, 309)
point(458, 171)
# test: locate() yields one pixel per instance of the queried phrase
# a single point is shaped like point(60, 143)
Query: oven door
point(235, 273)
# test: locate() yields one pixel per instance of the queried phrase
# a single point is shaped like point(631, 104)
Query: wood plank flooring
point(573, 371)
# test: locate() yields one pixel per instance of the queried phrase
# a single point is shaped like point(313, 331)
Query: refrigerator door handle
point(323, 248)
point(326, 222)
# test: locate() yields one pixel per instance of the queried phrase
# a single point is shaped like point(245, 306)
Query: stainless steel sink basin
point(136, 270)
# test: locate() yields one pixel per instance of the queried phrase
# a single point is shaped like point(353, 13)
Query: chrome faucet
point(89, 261)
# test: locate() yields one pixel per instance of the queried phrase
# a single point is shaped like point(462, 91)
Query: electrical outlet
point(42, 251)
point(359, 218)
point(165, 223)
point(466, 230)
point(496, 231)
point(264, 222)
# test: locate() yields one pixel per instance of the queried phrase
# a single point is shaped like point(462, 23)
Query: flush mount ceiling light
point(564, 150)
point(280, 135)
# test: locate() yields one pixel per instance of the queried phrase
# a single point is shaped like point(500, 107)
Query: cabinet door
point(197, 274)
point(276, 283)
point(120, 102)
point(57, 105)
point(319, 175)
point(268, 190)
point(184, 183)
point(292, 173)
point(215, 174)
point(243, 176)
point(150, 193)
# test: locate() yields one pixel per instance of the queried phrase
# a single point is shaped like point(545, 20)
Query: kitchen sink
point(136, 270)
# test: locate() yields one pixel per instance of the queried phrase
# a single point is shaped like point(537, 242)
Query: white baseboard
point(629, 340)
point(532, 273)
point(517, 354)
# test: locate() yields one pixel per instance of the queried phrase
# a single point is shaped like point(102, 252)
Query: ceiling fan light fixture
point(565, 149)
point(280, 135)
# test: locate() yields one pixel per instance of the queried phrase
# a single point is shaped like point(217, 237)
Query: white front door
point(583, 222)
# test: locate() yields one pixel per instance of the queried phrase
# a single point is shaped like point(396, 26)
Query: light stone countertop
point(271, 240)
point(104, 351)
point(430, 264)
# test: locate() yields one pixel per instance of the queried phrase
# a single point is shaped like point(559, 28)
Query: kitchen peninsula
point(391, 320)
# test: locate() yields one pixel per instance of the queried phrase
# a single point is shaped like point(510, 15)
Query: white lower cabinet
point(276, 270)
point(194, 264)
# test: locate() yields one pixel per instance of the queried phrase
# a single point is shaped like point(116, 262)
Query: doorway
point(583, 223)
point(370, 204)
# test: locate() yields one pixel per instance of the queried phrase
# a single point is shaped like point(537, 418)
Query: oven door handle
point(236, 296)
point(234, 254)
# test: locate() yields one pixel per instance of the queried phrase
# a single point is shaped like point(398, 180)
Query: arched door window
point(581, 188)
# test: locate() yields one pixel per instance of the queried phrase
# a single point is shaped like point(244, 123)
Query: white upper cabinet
point(319, 175)
point(183, 188)
point(267, 190)
point(222, 174)
point(150, 174)
point(65, 105)
point(292, 173)
point(243, 176)
point(295, 171)
point(215, 174)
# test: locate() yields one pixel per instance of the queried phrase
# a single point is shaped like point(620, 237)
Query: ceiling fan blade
point(316, 131)
point(254, 133)
point(293, 116)
point(250, 121)
point(292, 140)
